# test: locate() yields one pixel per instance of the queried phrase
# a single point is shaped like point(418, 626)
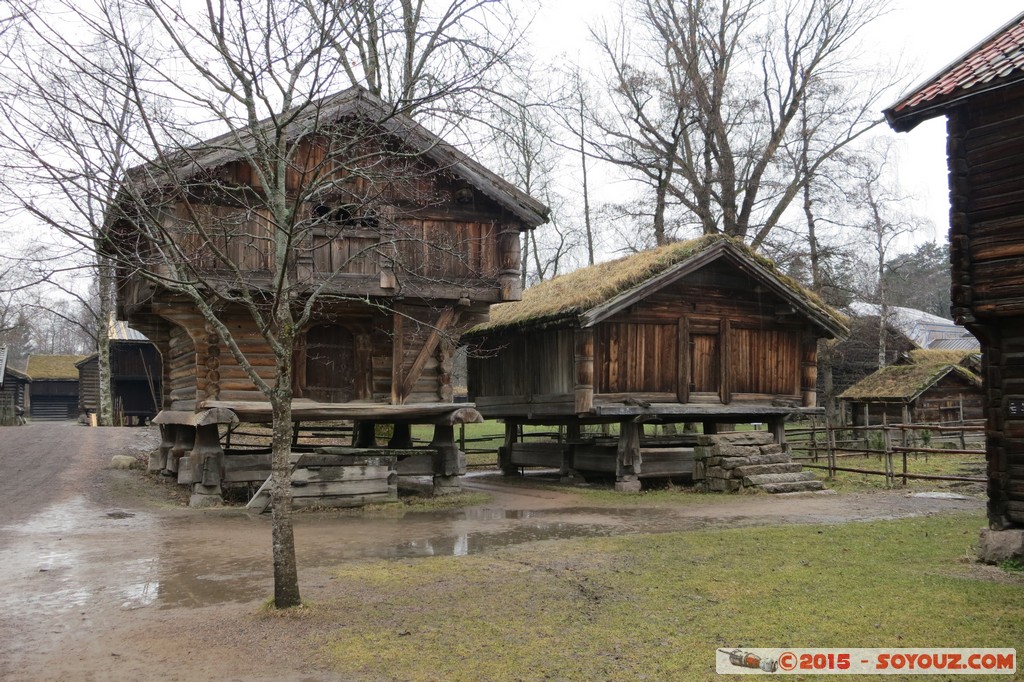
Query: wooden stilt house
point(703, 331)
point(981, 94)
point(405, 240)
point(932, 386)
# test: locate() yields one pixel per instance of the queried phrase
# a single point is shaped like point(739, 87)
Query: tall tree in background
point(883, 219)
point(258, 74)
point(709, 95)
point(920, 279)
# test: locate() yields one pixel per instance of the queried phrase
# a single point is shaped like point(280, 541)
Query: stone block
point(746, 438)
point(722, 485)
point(773, 449)
point(761, 479)
point(1000, 545)
point(628, 486)
point(123, 462)
point(755, 469)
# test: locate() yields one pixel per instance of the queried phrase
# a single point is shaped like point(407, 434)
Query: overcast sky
point(925, 35)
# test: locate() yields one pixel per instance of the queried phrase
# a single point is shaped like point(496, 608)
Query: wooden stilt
point(627, 460)
point(158, 459)
point(505, 452)
point(449, 461)
point(401, 437)
point(207, 463)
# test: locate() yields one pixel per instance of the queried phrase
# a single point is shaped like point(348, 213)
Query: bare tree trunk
point(105, 412)
point(286, 577)
point(586, 186)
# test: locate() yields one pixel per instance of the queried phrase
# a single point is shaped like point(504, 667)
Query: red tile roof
point(993, 62)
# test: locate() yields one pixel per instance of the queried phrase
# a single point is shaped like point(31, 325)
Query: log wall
point(986, 166)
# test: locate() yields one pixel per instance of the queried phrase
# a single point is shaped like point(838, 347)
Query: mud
point(106, 576)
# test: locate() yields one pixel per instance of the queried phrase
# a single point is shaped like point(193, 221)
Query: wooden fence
point(824, 447)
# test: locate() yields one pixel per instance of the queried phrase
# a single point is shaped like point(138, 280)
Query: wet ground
point(106, 576)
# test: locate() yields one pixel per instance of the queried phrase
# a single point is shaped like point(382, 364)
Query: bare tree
point(709, 95)
point(883, 220)
point(174, 216)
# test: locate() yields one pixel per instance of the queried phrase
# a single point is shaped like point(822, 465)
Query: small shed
point(53, 395)
point(135, 374)
point(981, 95)
point(699, 331)
point(932, 387)
point(13, 390)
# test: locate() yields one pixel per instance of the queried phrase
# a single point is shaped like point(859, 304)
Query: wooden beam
point(444, 320)
point(397, 358)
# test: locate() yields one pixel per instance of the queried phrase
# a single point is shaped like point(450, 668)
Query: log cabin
point(405, 240)
point(14, 387)
point(981, 94)
point(134, 378)
point(701, 331)
point(928, 387)
point(53, 392)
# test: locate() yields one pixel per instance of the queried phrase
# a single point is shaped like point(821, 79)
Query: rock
point(123, 462)
point(1000, 545)
point(939, 496)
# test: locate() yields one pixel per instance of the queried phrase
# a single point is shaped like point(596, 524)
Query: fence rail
point(890, 442)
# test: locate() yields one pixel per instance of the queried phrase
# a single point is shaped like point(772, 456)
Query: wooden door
point(705, 366)
point(330, 364)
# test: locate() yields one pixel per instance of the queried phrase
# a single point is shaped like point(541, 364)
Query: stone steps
point(732, 462)
point(794, 487)
point(788, 477)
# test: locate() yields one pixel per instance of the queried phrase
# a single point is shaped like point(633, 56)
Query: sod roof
point(904, 383)
point(53, 367)
point(580, 292)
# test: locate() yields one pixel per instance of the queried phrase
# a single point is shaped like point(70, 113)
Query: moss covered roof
point(582, 290)
point(904, 383)
point(56, 367)
point(940, 356)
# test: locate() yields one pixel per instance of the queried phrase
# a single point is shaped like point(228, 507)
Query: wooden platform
point(310, 410)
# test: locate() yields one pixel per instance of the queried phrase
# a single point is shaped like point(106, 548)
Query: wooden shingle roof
point(352, 102)
point(589, 295)
point(53, 367)
point(996, 61)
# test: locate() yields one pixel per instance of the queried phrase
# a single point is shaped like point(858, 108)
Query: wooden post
point(584, 370)
point(627, 460)
point(158, 460)
point(365, 434)
point(683, 361)
point(397, 358)
point(809, 373)
point(207, 464)
point(572, 440)
point(724, 335)
point(509, 263)
point(184, 439)
point(401, 436)
point(777, 425)
point(449, 461)
point(505, 452)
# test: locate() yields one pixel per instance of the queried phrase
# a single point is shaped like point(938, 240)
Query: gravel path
point(107, 577)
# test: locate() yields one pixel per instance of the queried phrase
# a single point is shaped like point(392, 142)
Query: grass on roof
point(903, 382)
point(581, 290)
point(940, 357)
point(54, 367)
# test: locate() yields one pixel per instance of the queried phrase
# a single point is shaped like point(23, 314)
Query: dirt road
point(107, 577)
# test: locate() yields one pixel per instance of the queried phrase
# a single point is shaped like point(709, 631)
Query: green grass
point(657, 606)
